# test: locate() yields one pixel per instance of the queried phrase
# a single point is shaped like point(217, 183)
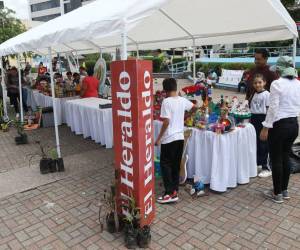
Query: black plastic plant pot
point(144, 237)
point(60, 165)
point(45, 165)
point(21, 139)
point(130, 235)
point(52, 166)
point(110, 223)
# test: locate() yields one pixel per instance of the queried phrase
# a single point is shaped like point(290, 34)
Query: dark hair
point(82, 68)
point(170, 84)
point(264, 52)
point(90, 70)
point(69, 73)
point(290, 77)
point(259, 76)
point(75, 74)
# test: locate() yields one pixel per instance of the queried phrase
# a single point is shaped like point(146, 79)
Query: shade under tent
point(133, 24)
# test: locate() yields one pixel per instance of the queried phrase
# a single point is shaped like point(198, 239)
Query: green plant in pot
point(22, 137)
point(144, 236)
point(53, 162)
point(131, 221)
point(111, 218)
point(5, 126)
point(46, 162)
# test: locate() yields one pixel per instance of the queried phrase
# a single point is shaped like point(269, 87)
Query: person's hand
point(264, 134)
point(158, 142)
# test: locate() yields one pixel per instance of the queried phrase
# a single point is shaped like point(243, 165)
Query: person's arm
point(165, 115)
point(272, 111)
point(162, 131)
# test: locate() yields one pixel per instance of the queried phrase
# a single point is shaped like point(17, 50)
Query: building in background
point(1, 5)
point(45, 10)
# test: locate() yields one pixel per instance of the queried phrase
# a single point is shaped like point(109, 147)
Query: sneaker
point(165, 199)
point(285, 195)
point(265, 174)
point(275, 198)
point(174, 196)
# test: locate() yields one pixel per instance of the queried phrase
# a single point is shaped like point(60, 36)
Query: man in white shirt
point(281, 126)
point(171, 138)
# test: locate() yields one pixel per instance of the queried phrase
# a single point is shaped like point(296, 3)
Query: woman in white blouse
point(281, 126)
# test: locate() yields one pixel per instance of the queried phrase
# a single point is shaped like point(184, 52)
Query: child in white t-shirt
point(259, 104)
point(171, 138)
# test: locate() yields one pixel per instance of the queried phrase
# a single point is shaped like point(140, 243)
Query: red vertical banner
point(132, 98)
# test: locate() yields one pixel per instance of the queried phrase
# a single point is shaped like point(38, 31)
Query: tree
point(10, 26)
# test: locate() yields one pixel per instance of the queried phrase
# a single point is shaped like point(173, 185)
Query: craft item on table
point(105, 106)
point(193, 90)
point(33, 121)
point(241, 114)
point(158, 99)
point(218, 128)
point(77, 89)
point(198, 187)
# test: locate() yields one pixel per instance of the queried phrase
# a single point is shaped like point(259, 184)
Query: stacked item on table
point(32, 121)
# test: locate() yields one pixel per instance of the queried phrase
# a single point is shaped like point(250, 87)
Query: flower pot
point(21, 139)
point(110, 223)
point(144, 237)
point(44, 165)
point(60, 165)
point(130, 236)
point(52, 166)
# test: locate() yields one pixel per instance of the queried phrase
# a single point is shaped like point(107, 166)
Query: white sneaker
point(265, 174)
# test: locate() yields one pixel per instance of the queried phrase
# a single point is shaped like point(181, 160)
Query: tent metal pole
point(20, 88)
point(194, 61)
point(294, 50)
point(4, 92)
point(124, 43)
point(77, 60)
point(54, 106)
point(137, 52)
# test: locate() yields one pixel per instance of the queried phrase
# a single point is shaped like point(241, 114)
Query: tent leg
point(4, 92)
point(294, 50)
point(101, 54)
point(137, 52)
point(54, 106)
point(194, 61)
point(20, 88)
point(124, 44)
point(77, 60)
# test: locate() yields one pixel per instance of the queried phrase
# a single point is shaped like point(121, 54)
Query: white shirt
point(173, 108)
point(260, 103)
point(284, 101)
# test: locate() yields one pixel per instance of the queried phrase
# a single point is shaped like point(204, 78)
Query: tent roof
point(157, 24)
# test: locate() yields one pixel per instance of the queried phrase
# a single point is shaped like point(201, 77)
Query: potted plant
point(144, 237)
point(131, 220)
point(5, 126)
point(22, 136)
point(111, 217)
point(53, 162)
point(60, 165)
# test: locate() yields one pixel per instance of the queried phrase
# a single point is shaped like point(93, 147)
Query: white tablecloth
point(34, 98)
point(85, 117)
point(223, 161)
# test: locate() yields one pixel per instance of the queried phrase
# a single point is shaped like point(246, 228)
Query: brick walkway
point(64, 214)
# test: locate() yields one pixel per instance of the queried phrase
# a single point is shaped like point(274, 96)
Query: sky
point(19, 6)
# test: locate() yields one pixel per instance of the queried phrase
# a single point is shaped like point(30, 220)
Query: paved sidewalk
point(64, 214)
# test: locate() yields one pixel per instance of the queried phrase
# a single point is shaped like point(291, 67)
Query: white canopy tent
point(134, 24)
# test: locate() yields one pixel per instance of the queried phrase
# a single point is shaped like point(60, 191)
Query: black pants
point(242, 84)
point(170, 159)
point(262, 147)
point(281, 138)
point(15, 100)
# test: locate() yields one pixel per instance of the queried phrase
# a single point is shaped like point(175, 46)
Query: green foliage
point(10, 26)
point(206, 67)
point(288, 3)
point(90, 63)
point(298, 72)
point(178, 60)
point(33, 70)
point(157, 64)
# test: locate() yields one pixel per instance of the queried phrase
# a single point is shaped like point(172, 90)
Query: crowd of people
point(82, 83)
point(274, 99)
